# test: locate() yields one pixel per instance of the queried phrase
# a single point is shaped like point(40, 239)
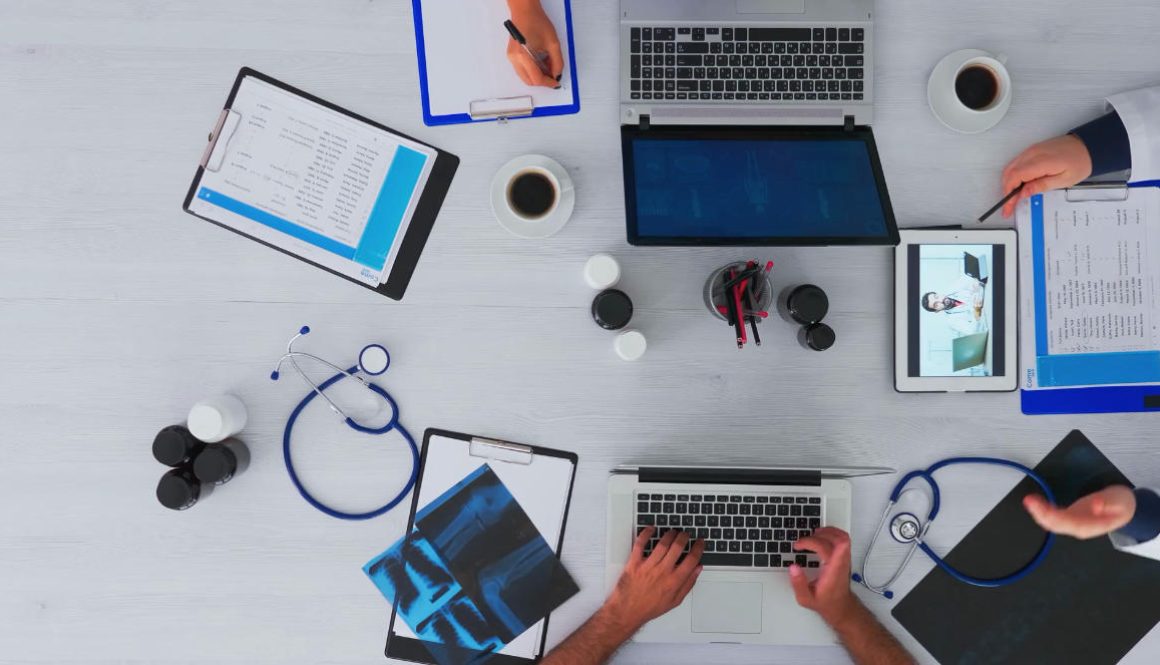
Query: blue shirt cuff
point(1145, 524)
point(1107, 142)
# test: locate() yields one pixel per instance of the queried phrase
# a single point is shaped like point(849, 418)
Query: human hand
point(830, 594)
point(653, 585)
point(529, 17)
point(1055, 163)
point(1096, 514)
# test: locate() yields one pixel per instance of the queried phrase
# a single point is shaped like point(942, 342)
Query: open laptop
point(747, 122)
point(974, 266)
point(749, 518)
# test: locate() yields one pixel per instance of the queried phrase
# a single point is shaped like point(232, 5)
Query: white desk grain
point(118, 311)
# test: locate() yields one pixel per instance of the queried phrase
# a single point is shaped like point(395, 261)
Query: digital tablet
point(954, 311)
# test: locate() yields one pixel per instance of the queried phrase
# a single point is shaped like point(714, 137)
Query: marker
point(519, 37)
point(1000, 204)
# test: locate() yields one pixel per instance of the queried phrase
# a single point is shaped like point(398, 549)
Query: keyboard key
point(854, 73)
point(750, 522)
point(687, 520)
point(664, 34)
point(752, 534)
point(684, 73)
point(731, 508)
point(852, 47)
point(745, 508)
point(668, 506)
point(819, 35)
point(734, 61)
point(693, 508)
point(857, 86)
point(727, 534)
point(655, 507)
point(784, 547)
point(783, 509)
point(774, 560)
point(670, 497)
point(803, 522)
point(688, 61)
point(741, 47)
point(641, 506)
point(742, 35)
point(847, 86)
point(710, 546)
point(696, 497)
point(858, 34)
point(801, 500)
point(645, 33)
point(685, 31)
point(803, 533)
point(812, 511)
point(662, 520)
point(812, 60)
point(759, 546)
point(795, 510)
point(779, 34)
point(815, 523)
point(670, 47)
point(799, 96)
point(750, 96)
point(831, 47)
point(775, 499)
point(854, 61)
point(791, 48)
point(734, 545)
point(799, 61)
point(763, 499)
point(714, 520)
point(698, 34)
point(727, 34)
point(702, 533)
point(857, 95)
point(634, 46)
point(645, 520)
point(804, 47)
point(775, 522)
point(718, 559)
point(766, 534)
point(714, 47)
point(747, 546)
point(692, 47)
point(831, 34)
point(699, 520)
point(715, 534)
point(785, 61)
point(779, 534)
point(761, 560)
point(843, 34)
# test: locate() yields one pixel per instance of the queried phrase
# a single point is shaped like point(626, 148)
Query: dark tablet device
point(734, 186)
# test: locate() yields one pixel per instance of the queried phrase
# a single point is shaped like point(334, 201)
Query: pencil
point(1000, 204)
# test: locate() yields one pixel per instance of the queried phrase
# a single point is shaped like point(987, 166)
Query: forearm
point(867, 641)
point(593, 643)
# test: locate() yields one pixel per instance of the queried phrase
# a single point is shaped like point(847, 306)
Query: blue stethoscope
point(906, 528)
point(373, 360)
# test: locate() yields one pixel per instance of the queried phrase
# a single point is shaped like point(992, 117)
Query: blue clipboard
point(499, 38)
point(1138, 397)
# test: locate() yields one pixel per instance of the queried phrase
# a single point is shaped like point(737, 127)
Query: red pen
point(737, 300)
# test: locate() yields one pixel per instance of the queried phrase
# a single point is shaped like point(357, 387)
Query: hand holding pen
point(533, 47)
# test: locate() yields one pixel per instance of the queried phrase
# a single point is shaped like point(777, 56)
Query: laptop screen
point(755, 186)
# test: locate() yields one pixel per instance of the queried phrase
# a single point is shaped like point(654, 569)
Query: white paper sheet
point(465, 45)
point(541, 489)
point(1101, 266)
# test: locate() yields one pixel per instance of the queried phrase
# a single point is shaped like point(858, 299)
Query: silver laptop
point(749, 519)
point(747, 62)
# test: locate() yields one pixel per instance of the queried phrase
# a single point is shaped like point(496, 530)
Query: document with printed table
point(1089, 292)
point(320, 183)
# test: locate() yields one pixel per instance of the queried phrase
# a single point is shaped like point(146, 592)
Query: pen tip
point(559, 76)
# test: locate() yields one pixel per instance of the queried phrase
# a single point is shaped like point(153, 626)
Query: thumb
point(555, 60)
point(1044, 184)
point(1040, 511)
point(801, 586)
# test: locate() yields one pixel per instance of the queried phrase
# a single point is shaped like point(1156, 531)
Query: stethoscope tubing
point(394, 424)
point(919, 542)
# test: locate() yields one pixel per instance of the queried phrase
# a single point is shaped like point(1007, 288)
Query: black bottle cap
point(807, 304)
point(215, 464)
point(818, 336)
point(178, 489)
point(175, 445)
point(612, 309)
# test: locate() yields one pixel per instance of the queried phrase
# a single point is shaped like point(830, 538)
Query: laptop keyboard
point(809, 64)
point(741, 530)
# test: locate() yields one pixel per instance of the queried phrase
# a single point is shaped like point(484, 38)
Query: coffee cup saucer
point(543, 227)
point(940, 94)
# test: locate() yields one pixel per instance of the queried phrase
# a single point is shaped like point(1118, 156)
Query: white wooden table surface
point(118, 311)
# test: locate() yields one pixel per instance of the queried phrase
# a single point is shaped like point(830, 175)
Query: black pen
point(1000, 204)
point(519, 37)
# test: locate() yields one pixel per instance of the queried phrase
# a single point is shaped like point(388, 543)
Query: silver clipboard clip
point(502, 451)
point(1097, 191)
point(227, 124)
point(501, 108)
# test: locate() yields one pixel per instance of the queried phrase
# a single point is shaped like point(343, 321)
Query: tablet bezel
point(1010, 379)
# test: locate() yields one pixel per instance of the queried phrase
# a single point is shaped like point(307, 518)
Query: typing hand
point(537, 29)
point(830, 594)
point(1053, 164)
point(1096, 514)
point(653, 585)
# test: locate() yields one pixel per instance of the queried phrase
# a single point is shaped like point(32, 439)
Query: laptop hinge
point(848, 125)
point(731, 476)
point(644, 122)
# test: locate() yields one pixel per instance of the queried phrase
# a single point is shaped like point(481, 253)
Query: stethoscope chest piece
point(905, 528)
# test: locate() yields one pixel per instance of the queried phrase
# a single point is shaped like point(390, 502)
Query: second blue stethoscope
point(906, 528)
point(373, 360)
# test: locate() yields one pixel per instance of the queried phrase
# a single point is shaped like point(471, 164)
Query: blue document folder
point(464, 73)
point(1089, 261)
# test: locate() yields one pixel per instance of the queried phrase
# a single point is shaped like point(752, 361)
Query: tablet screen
point(956, 310)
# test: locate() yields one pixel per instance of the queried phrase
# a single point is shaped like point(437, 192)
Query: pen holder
point(714, 292)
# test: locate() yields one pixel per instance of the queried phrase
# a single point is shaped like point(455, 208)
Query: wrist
point(617, 620)
point(844, 615)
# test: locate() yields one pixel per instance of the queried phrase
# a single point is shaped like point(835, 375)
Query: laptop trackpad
point(727, 607)
point(771, 6)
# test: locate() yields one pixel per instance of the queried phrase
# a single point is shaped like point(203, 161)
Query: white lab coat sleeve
point(1140, 112)
point(1150, 548)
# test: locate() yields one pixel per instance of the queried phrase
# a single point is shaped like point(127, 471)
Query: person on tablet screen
point(963, 304)
point(652, 584)
point(1125, 139)
point(530, 19)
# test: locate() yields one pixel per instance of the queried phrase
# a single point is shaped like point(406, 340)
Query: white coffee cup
point(630, 345)
point(970, 90)
point(217, 418)
point(536, 174)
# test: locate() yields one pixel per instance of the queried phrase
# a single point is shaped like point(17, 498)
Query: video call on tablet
point(955, 319)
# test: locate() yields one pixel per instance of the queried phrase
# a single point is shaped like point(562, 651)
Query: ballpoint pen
point(1000, 204)
point(518, 36)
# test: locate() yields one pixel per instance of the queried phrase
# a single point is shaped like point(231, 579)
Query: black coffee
point(976, 87)
point(532, 194)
